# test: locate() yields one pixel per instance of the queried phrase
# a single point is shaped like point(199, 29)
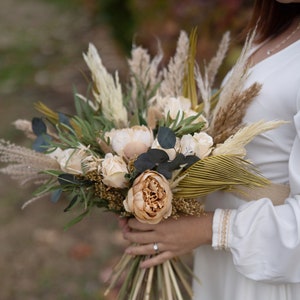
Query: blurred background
point(41, 46)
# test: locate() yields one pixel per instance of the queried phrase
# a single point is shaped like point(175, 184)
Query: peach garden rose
point(150, 198)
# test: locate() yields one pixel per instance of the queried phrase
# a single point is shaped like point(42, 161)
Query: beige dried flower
point(107, 91)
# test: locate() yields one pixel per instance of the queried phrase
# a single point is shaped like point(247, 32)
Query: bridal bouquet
point(149, 149)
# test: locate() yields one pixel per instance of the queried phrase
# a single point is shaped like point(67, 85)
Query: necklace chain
point(270, 51)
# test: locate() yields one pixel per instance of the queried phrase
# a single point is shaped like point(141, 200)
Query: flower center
point(153, 194)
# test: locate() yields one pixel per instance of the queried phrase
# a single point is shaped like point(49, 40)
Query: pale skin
point(183, 235)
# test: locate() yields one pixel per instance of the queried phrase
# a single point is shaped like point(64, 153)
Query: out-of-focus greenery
point(145, 22)
point(147, 19)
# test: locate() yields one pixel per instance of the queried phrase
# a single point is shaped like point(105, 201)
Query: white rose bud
point(114, 170)
point(200, 144)
point(70, 160)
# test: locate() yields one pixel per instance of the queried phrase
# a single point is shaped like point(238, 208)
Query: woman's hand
point(173, 237)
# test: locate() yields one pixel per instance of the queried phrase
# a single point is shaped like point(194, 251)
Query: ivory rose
point(199, 144)
point(175, 105)
point(70, 160)
point(183, 106)
point(130, 142)
point(114, 170)
point(150, 198)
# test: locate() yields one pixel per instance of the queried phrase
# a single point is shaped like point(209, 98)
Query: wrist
point(208, 228)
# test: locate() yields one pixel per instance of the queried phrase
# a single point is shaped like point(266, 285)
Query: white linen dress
point(261, 260)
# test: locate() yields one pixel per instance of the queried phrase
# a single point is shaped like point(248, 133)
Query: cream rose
point(174, 105)
point(70, 160)
point(130, 142)
point(114, 170)
point(150, 198)
point(199, 144)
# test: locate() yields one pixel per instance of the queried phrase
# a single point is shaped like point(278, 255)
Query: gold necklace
point(270, 51)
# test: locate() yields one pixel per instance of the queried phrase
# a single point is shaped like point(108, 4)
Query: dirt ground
point(41, 47)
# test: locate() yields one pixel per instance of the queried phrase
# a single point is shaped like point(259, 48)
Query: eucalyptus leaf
point(38, 126)
point(157, 155)
point(64, 119)
point(190, 160)
point(166, 137)
point(56, 195)
point(66, 179)
point(165, 170)
point(177, 161)
point(142, 164)
point(41, 143)
point(71, 204)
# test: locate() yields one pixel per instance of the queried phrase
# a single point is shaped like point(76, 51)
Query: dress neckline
point(256, 47)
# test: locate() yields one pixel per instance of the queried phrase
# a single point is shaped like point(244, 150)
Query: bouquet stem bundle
point(169, 280)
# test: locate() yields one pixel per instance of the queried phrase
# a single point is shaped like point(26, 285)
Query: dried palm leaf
point(220, 172)
point(236, 143)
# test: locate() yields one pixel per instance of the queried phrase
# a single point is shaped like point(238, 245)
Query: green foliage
point(138, 105)
point(120, 17)
point(182, 125)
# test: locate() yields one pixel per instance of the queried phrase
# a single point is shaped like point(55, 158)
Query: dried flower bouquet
point(148, 152)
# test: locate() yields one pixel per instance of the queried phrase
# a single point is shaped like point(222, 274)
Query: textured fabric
point(261, 259)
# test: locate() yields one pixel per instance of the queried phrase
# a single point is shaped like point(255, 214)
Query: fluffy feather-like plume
point(26, 127)
point(229, 118)
point(236, 143)
point(174, 73)
point(107, 90)
point(216, 61)
point(205, 82)
point(24, 164)
point(144, 69)
point(233, 90)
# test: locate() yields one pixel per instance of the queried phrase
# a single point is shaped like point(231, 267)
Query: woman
point(249, 250)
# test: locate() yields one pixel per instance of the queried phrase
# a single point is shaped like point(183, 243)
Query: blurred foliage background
point(41, 45)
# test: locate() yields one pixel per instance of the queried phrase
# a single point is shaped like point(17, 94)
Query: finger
point(137, 225)
point(156, 259)
point(122, 222)
point(148, 249)
point(144, 237)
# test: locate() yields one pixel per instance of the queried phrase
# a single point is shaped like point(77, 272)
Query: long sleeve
point(264, 239)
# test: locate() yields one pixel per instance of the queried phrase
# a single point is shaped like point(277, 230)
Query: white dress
point(262, 256)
